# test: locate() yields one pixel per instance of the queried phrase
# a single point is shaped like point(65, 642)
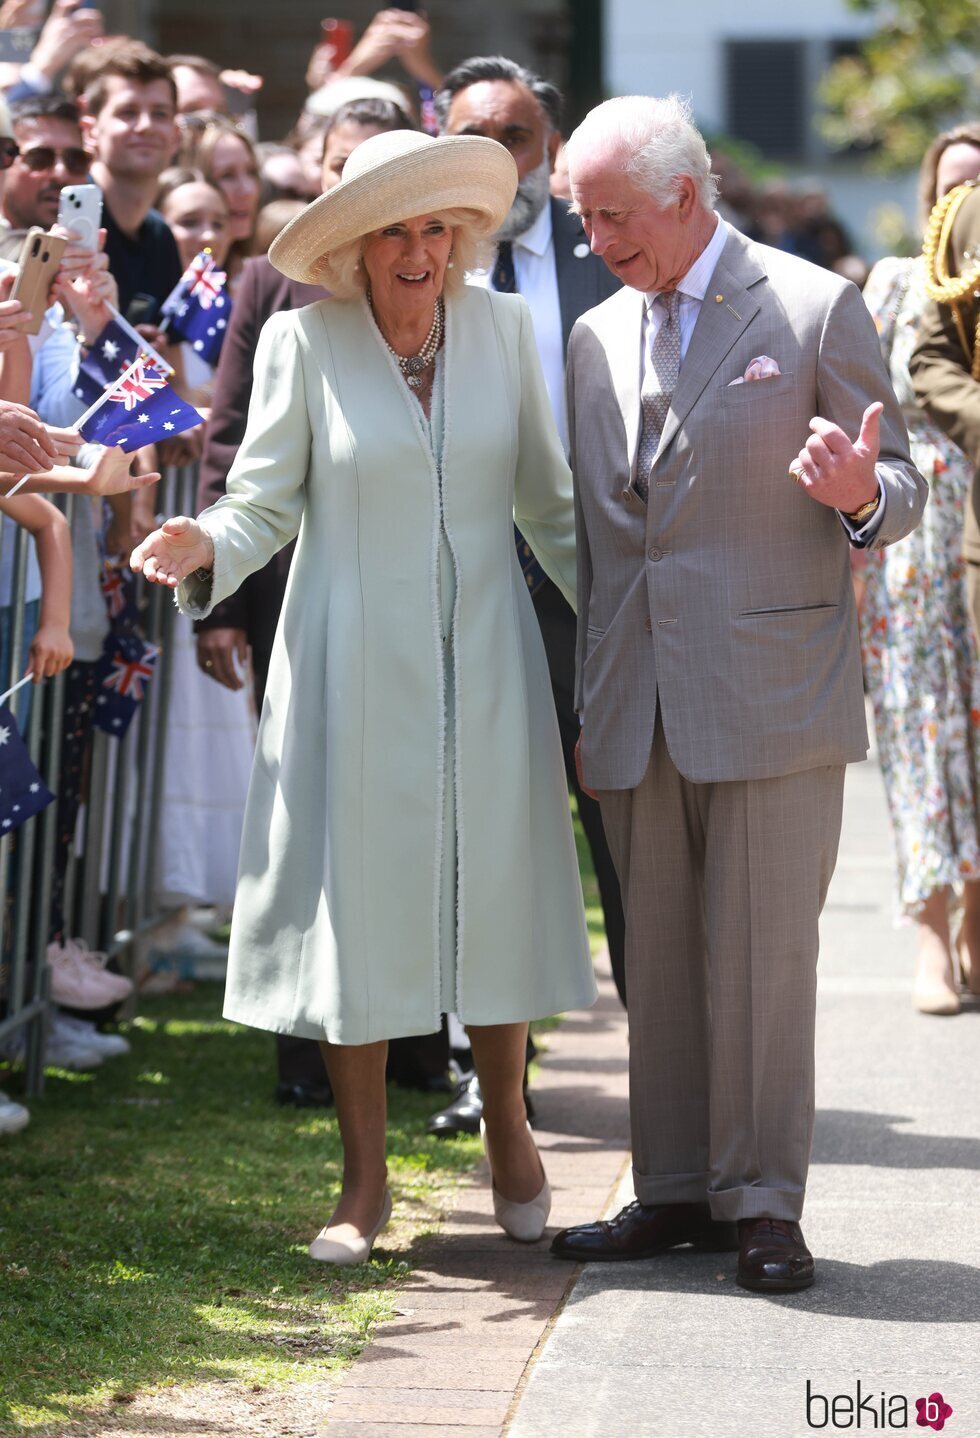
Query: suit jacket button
point(655, 554)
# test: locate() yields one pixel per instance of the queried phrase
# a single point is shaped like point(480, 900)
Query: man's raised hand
point(836, 472)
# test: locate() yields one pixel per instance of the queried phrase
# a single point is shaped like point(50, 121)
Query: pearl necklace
point(412, 366)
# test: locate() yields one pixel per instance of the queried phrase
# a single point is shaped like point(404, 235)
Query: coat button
point(655, 554)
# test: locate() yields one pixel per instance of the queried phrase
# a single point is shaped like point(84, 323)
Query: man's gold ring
point(796, 474)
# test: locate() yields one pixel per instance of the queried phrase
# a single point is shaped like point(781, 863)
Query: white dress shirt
point(692, 289)
point(537, 281)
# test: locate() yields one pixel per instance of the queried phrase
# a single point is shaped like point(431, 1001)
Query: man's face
point(647, 246)
point(134, 134)
point(197, 90)
point(51, 155)
point(341, 142)
point(506, 111)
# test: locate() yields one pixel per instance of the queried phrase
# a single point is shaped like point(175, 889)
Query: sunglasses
point(43, 157)
point(9, 150)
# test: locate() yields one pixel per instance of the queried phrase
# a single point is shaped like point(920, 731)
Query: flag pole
point(26, 680)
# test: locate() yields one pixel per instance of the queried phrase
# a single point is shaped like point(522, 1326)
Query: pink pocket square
point(762, 367)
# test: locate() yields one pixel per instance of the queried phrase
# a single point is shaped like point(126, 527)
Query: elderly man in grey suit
point(732, 432)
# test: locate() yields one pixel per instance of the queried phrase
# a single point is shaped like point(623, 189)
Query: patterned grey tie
point(659, 382)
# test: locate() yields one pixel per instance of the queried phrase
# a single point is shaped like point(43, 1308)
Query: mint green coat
point(337, 915)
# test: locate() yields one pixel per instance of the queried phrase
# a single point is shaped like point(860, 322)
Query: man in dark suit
point(248, 620)
point(543, 254)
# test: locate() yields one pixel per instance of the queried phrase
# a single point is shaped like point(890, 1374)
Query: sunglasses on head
point(9, 150)
point(43, 157)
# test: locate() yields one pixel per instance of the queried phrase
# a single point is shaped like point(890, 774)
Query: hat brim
point(465, 172)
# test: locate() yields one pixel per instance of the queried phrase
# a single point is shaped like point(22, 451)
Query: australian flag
point(199, 309)
point(139, 409)
point(117, 347)
point(23, 793)
point(121, 676)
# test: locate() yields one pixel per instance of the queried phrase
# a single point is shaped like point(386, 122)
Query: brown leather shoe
point(644, 1231)
point(772, 1256)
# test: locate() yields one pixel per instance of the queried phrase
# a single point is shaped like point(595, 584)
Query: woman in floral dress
point(920, 654)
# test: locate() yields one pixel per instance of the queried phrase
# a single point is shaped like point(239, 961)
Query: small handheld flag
point(139, 409)
point(199, 309)
point(117, 347)
point(23, 793)
point(122, 674)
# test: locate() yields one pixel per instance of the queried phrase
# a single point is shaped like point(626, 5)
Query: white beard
point(532, 196)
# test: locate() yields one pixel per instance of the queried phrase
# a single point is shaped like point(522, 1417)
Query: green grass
point(154, 1220)
point(590, 888)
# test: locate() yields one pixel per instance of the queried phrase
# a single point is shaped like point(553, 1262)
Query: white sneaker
point(184, 948)
point(79, 1031)
point(13, 1116)
point(80, 979)
point(62, 1051)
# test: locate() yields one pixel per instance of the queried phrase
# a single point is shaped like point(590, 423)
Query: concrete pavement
point(673, 1347)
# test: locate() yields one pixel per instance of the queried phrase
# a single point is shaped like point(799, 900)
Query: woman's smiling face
point(406, 262)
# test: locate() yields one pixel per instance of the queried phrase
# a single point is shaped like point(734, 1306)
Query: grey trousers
point(723, 885)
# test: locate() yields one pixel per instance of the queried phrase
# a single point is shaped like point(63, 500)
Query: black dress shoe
point(643, 1231)
point(464, 1113)
point(772, 1256)
point(300, 1095)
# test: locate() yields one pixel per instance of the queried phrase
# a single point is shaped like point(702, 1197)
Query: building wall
point(656, 48)
point(274, 38)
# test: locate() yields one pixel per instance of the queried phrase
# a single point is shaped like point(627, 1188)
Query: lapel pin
point(581, 251)
point(718, 299)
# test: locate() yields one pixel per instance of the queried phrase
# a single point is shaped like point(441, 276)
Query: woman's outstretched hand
point(172, 552)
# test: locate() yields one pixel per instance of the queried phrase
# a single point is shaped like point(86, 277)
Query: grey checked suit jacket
point(727, 598)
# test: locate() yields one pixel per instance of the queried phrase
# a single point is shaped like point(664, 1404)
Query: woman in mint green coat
point(407, 846)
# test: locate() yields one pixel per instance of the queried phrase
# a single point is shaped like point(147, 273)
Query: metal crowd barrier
point(110, 898)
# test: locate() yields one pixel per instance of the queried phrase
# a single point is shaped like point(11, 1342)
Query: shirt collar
point(538, 237)
point(694, 285)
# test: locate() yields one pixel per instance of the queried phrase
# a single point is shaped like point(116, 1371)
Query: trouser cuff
point(731, 1204)
point(670, 1187)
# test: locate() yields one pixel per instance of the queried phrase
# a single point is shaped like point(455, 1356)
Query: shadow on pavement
point(843, 1136)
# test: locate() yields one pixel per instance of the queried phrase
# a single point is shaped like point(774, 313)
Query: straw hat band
point(393, 177)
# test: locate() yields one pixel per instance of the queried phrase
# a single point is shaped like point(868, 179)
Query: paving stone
point(476, 1309)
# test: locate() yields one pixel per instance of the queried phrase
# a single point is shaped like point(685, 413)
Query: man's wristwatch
point(862, 515)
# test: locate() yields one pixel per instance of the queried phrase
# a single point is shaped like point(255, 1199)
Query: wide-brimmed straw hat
point(398, 176)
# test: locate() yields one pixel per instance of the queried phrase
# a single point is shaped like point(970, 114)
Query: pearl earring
point(452, 263)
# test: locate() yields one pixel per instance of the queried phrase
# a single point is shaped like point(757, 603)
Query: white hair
point(658, 141)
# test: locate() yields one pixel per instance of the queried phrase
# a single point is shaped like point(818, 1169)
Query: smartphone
point(40, 257)
point(80, 210)
point(16, 44)
point(338, 39)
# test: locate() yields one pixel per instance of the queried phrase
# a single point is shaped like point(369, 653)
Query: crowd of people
point(402, 877)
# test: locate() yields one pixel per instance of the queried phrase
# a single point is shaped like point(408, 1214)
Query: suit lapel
point(575, 295)
point(720, 323)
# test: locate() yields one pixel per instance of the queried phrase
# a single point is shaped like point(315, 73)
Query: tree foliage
point(916, 74)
